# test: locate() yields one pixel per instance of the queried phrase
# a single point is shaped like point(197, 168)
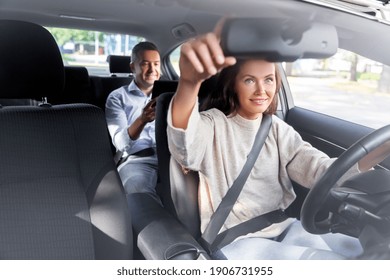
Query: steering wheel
point(320, 192)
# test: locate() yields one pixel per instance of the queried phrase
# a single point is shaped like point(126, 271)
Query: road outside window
point(346, 86)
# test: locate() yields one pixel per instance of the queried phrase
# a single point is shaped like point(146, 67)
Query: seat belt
point(210, 238)
point(118, 158)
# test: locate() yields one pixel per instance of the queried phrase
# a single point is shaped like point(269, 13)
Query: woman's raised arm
point(200, 58)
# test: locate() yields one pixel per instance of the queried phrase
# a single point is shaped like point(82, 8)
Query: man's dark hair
point(140, 47)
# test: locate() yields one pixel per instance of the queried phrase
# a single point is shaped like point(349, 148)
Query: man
point(130, 114)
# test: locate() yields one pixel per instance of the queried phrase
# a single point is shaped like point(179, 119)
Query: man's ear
point(132, 67)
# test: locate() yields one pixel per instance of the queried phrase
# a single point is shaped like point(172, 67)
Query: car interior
point(61, 194)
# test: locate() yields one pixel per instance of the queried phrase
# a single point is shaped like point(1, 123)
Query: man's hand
point(148, 115)
point(149, 112)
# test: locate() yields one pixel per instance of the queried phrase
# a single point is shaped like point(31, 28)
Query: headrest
point(208, 86)
point(30, 61)
point(119, 64)
point(76, 77)
point(162, 86)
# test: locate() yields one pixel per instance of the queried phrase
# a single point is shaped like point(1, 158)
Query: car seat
point(77, 88)
point(170, 230)
point(158, 231)
point(60, 194)
point(180, 199)
point(104, 85)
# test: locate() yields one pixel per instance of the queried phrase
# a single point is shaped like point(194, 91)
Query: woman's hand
point(202, 57)
point(375, 157)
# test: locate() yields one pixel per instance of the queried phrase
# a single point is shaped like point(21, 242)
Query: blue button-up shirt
point(123, 106)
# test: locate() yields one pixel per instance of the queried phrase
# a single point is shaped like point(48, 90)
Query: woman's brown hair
point(224, 97)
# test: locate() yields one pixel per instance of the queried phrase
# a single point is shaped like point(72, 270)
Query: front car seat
point(170, 231)
point(60, 194)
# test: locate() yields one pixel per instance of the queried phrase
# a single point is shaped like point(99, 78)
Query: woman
point(217, 141)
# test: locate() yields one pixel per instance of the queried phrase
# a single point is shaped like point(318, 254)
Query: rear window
point(91, 48)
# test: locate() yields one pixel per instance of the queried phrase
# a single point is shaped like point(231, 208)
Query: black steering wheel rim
point(319, 193)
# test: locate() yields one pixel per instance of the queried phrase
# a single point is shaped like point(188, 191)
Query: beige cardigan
point(217, 147)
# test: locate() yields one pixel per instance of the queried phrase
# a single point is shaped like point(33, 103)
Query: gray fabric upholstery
point(60, 194)
point(103, 86)
point(179, 200)
point(18, 102)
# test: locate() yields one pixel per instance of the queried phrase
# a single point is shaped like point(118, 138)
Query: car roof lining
point(155, 19)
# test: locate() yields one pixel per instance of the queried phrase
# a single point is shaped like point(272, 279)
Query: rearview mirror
point(278, 40)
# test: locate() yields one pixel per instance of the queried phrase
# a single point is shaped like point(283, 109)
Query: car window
point(174, 59)
point(346, 86)
point(91, 48)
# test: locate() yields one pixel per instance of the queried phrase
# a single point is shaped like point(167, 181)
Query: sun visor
point(278, 40)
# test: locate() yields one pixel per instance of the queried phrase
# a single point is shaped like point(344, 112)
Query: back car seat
point(103, 86)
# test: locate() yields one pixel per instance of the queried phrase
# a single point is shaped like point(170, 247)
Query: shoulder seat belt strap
point(218, 218)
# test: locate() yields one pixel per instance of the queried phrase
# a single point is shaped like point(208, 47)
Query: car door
point(330, 107)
